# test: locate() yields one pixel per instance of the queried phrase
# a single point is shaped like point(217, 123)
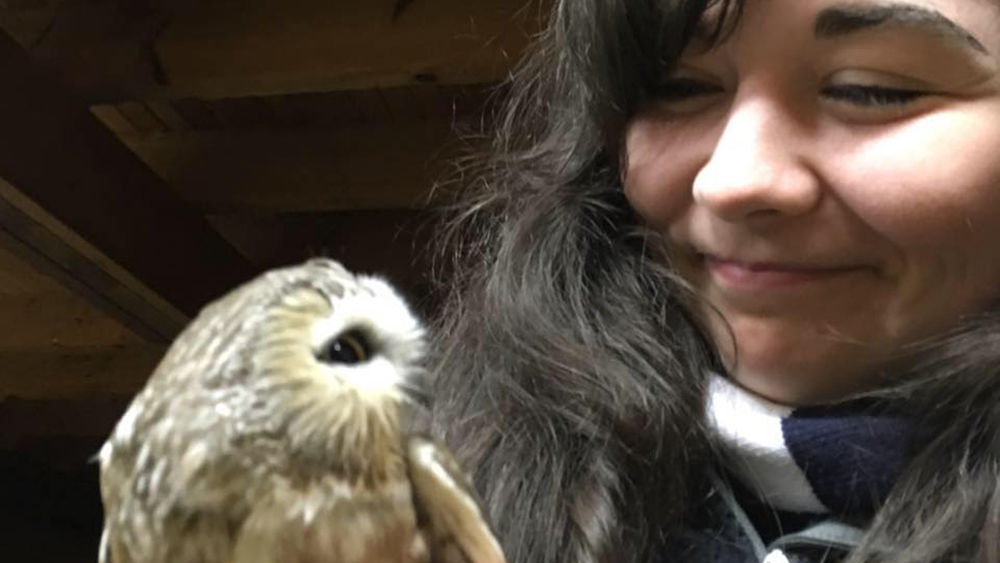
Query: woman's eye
point(348, 348)
point(872, 96)
point(677, 89)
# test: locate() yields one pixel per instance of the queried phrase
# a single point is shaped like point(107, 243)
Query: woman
point(727, 286)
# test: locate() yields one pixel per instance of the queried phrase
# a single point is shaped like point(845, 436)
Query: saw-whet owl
point(281, 426)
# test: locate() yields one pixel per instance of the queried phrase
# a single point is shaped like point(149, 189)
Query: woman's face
point(828, 178)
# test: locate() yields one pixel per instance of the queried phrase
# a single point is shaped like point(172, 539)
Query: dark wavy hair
point(570, 375)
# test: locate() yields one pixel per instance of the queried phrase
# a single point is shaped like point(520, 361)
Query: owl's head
point(313, 356)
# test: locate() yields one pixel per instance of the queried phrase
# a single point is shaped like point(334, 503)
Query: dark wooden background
point(155, 153)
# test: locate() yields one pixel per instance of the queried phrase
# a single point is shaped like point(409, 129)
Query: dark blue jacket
point(722, 531)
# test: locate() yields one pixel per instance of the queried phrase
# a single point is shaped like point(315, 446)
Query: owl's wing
point(447, 507)
point(104, 550)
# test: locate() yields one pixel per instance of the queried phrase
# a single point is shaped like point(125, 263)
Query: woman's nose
point(757, 167)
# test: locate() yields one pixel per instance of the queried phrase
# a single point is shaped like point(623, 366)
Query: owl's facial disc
point(368, 343)
point(349, 361)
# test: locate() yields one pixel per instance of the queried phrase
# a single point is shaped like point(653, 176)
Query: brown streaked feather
point(448, 508)
point(326, 523)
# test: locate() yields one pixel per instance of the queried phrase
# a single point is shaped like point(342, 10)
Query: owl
point(284, 425)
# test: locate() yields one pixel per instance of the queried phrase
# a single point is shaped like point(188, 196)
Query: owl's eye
point(347, 348)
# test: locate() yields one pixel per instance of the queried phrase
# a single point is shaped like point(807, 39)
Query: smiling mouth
point(756, 276)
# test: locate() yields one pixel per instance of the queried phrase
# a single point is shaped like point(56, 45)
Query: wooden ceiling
point(155, 153)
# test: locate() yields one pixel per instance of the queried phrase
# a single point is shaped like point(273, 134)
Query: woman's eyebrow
point(848, 18)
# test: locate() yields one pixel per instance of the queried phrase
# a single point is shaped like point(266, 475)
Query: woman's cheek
point(925, 186)
point(659, 169)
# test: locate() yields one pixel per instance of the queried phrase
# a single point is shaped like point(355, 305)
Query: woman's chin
point(791, 363)
point(797, 385)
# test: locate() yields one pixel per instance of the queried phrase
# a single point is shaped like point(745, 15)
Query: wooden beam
point(112, 51)
point(233, 47)
point(381, 148)
point(100, 48)
point(58, 156)
point(355, 166)
point(51, 248)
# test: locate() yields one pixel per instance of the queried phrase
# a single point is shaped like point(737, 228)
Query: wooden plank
point(112, 118)
point(142, 119)
point(50, 247)
point(358, 166)
point(56, 346)
point(235, 48)
point(56, 154)
point(59, 320)
point(19, 279)
point(76, 372)
point(168, 115)
point(113, 51)
point(101, 48)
